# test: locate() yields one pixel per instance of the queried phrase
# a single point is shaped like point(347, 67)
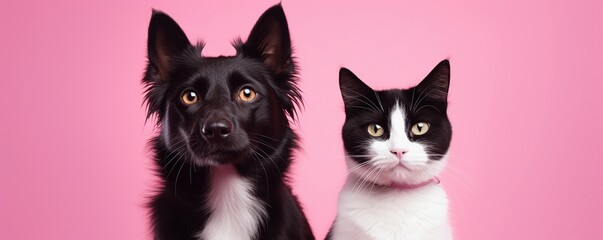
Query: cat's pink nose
point(399, 152)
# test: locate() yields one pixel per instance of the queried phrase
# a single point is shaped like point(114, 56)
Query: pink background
point(525, 104)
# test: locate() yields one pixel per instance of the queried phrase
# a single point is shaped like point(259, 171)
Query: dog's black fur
point(219, 128)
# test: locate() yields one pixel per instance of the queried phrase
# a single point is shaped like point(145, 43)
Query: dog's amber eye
point(375, 130)
point(420, 128)
point(189, 97)
point(247, 94)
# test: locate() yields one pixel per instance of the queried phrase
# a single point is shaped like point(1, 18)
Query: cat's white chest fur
point(235, 213)
point(369, 213)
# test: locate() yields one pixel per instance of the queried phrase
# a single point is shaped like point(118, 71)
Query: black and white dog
point(225, 141)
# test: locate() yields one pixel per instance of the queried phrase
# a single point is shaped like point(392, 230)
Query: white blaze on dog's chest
point(235, 213)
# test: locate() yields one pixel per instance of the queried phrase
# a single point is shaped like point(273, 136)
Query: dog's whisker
point(177, 176)
point(176, 163)
point(176, 154)
point(271, 160)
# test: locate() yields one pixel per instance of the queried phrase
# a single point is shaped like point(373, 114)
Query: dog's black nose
point(216, 129)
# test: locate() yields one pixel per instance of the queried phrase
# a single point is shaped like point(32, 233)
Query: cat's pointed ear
point(270, 42)
point(353, 90)
point(437, 82)
point(166, 40)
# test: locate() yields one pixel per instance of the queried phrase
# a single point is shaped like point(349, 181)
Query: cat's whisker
point(412, 100)
point(421, 97)
point(377, 178)
point(358, 181)
point(365, 108)
point(432, 106)
point(368, 179)
point(384, 164)
point(350, 170)
point(355, 155)
point(361, 177)
point(379, 101)
point(370, 102)
point(380, 160)
point(364, 179)
point(359, 147)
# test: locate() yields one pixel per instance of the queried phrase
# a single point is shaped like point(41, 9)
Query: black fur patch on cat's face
point(262, 64)
point(426, 102)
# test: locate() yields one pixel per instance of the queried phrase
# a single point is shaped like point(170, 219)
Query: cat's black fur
point(260, 140)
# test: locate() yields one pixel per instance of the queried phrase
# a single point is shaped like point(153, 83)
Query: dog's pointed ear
point(166, 40)
point(269, 41)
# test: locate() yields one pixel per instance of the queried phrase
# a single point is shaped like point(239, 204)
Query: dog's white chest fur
point(235, 213)
point(368, 213)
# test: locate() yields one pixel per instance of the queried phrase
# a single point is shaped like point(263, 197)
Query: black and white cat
point(396, 142)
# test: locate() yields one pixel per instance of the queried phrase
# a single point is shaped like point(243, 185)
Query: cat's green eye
point(189, 97)
point(420, 128)
point(375, 130)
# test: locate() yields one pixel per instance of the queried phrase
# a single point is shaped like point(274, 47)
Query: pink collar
point(407, 186)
